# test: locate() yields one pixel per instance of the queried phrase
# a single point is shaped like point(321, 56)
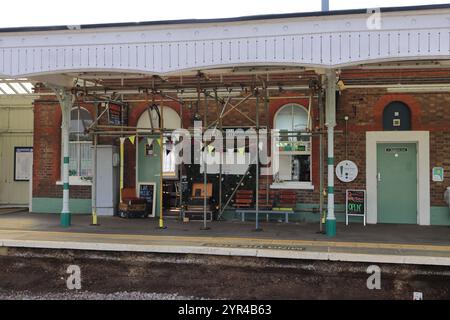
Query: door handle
point(379, 177)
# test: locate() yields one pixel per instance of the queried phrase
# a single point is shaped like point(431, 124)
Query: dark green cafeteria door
point(397, 183)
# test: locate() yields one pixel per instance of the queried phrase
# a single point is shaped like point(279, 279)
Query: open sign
point(356, 204)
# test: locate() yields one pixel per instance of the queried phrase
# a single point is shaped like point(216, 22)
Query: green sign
point(438, 174)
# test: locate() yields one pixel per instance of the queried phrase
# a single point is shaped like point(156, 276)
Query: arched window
point(292, 117)
point(396, 117)
point(294, 145)
point(80, 143)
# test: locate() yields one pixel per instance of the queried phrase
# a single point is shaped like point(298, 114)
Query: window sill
point(76, 181)
point(293, 185)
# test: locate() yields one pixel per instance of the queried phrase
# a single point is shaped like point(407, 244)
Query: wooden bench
point(243, 199)
point(267, 199)
point(282, 202)
point(195, 210)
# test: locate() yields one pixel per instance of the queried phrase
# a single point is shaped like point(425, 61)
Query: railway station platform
point(391, 244)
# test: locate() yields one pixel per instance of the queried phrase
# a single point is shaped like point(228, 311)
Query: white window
point(80, 144)
point(294, 145)
point(169, 160)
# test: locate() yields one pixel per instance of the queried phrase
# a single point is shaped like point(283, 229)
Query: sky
point(64, 12)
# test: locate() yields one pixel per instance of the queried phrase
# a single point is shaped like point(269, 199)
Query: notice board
point(118, 114)
point(356, 204)
point(147, 191)
point(23, 161)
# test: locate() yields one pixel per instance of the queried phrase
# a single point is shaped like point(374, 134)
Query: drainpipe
point(331, 123)
point(325, 5)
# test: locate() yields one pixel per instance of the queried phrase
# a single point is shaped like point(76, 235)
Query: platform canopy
point(321, 40)
point(15, 87)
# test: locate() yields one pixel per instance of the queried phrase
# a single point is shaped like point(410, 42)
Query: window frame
point(291, 184)
point(76, 180)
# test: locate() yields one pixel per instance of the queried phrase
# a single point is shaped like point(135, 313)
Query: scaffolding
point(255, 88)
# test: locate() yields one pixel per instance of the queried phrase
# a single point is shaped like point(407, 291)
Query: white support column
point(331, 123)
point(65, 99)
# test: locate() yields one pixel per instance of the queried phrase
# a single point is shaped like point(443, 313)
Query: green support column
point(65, 100)
point(331, 123)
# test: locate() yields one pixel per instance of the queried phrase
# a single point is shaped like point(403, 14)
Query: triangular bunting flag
point(211, 149)
point(149, 141)
point(132, 139)
point(241, 150)
point(122, 140)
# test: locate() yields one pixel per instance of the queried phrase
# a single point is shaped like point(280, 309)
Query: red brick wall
point(47, 153)
point(364, 107)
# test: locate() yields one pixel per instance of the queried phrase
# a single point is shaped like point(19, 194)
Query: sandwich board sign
point(355, 205)
point(146, 191)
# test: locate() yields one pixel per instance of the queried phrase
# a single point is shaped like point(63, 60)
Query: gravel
point(93, 296)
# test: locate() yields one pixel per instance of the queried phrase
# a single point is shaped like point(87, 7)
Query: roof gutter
point(225, 20)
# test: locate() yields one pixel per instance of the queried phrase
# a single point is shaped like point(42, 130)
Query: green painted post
point(65, 99)
point(331, 123)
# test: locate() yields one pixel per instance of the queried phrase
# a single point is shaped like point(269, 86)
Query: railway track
point(45, 274)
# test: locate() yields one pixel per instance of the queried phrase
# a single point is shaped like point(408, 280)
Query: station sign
point(347, 171)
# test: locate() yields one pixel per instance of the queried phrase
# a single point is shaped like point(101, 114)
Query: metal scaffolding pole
point(122, 160)
point(94, 183)
point(205, 168)
point(266, 111)
point(221, 151)
point(180, 166)
point(233, 193)
point(233, 107)
point(257, 227)
point(161, 158)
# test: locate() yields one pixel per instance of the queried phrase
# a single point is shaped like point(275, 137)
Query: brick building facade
point(363, 107)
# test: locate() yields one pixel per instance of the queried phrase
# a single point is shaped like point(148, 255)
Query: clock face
point(347, 171)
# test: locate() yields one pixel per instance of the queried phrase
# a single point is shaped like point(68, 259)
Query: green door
point(397, 183)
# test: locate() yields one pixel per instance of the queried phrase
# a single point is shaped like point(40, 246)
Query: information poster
point(23, 161)
point(117, 114)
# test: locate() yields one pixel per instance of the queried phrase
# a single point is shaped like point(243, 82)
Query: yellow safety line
point(313, 243)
